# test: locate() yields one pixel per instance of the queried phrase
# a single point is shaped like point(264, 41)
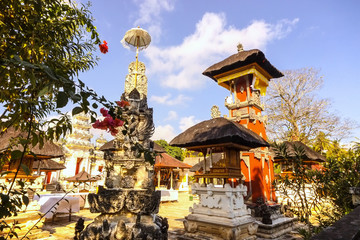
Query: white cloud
point(172, 115)
point(180, 66)
point(167, 100)
point(187, 122)
point(98, 132)
point(150, 14)
point(165, 132)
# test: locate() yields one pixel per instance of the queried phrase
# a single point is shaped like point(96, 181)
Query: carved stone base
point(125, 200)
point(279, 227)
point(226, 228)
point(130, 226)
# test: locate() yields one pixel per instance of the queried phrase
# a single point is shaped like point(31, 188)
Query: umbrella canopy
point(166, 161)
point(309, 154)
point(48, 165)
point(49, 150)
point(137, 38)
point(218, 132)
point(82, 176)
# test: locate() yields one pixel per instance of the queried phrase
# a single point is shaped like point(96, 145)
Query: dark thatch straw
point(219, 131)
point(241, 59)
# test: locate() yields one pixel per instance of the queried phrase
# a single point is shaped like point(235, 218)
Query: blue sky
point(188, 36)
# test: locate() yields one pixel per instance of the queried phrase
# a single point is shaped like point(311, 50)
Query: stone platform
point(279, 227)
point(221, 211)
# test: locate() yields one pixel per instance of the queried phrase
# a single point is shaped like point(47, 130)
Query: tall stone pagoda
point(246, 75)
point(128, 203)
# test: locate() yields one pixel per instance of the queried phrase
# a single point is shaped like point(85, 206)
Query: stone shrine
point(221, 210)
point(128, 202)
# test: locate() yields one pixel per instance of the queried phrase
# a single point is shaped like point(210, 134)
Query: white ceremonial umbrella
point(136, 39)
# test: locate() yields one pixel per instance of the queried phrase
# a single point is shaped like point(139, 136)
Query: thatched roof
point(49, 150)
point(241, 59)
point(108, 146)
point(83, 176)
point(164, 160)
point(48, 165)
point(309, 154)
point(200, 165)
point(158, 148)
point(216, 132)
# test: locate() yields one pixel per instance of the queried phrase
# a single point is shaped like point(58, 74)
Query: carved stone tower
point(246, 75)
point(129, 203)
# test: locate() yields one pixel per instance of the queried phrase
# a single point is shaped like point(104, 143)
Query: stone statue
point(128, 203)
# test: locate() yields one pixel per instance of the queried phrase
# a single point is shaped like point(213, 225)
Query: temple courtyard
point(61, 228)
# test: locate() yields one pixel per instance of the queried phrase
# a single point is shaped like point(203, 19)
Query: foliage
point(320, 197)
point(190, 153)
point(298, 189)
point(175, 152)
point(44, 45)
point(338, 175)
point(11, 203)
point(296, 113)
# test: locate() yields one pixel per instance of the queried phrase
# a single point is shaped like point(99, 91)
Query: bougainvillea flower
point(122, 103)
point(104, 112)
point(108, 123)
point(104, 47)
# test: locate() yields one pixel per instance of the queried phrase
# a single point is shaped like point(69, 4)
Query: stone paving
point(62, 229)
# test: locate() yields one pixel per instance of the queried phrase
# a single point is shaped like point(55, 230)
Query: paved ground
point(62, 229)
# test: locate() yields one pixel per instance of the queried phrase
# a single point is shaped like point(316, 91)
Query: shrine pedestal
point(222, 212)
point(272, 224)
point(279, 227)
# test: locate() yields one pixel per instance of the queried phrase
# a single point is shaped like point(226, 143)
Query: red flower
point(122, 103)
point(104, 112)
point(108, 123)
point(104, 47)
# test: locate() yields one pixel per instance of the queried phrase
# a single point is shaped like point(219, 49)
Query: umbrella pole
point(137, 62)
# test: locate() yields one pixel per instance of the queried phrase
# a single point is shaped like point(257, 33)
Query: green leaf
point(25, 169)
point(92, 119)
point(44, 91)
point(94, 105)
point(4, 173)
point(76, 110)
point(25, 200)
point(16, 154)
point(62, 100)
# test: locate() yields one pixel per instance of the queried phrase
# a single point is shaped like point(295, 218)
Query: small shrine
point(246, 76)
point(171, 176)
point(221, 210)
point(128, 203)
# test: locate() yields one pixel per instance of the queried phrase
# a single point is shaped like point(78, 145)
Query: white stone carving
point(215, 112)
